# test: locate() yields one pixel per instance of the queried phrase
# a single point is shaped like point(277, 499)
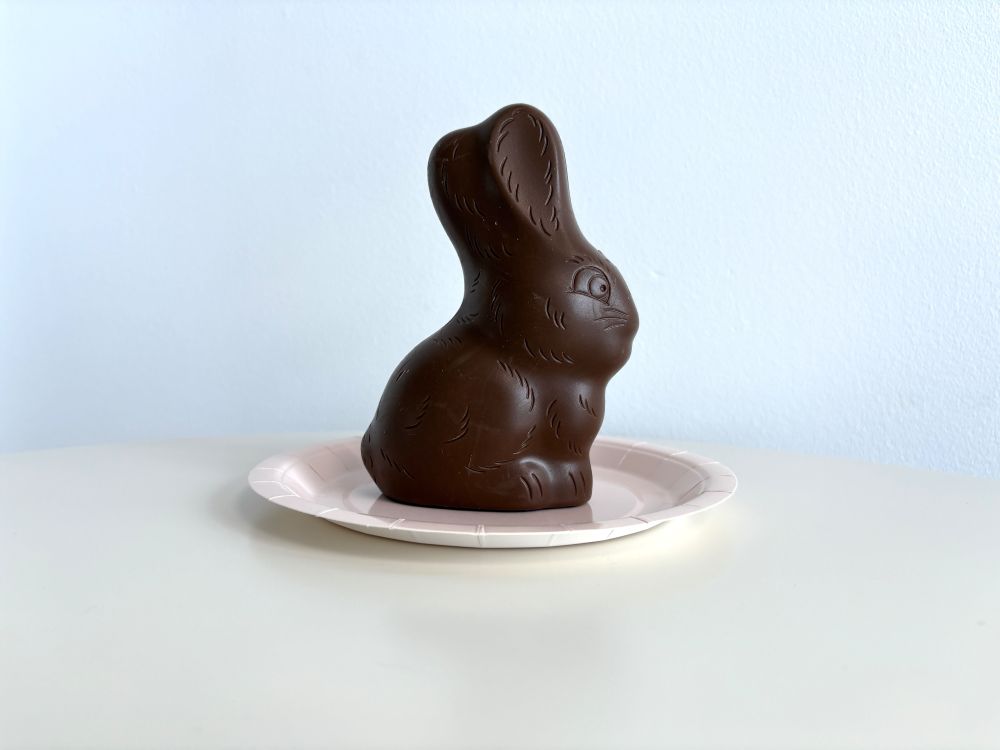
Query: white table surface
point(149, 599)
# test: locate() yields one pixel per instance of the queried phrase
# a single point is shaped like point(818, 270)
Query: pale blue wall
point(199, 201)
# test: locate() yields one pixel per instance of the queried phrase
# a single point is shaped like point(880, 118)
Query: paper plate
point(637, 486)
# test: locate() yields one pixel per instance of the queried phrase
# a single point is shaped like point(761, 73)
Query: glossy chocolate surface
point(499, 408)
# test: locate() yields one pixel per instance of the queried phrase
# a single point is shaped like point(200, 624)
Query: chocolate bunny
point(498, 410)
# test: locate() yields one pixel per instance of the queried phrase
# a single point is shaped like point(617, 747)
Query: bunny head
point(534, 284)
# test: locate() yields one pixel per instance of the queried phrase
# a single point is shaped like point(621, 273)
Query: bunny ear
point(528, 164)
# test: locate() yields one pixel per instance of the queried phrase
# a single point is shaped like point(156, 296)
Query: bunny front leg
point(528, 483)
point(555, 484)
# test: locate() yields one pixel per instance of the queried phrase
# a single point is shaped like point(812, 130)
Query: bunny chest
point(559, 410)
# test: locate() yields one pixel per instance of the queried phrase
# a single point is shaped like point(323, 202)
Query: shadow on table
point(691, 538)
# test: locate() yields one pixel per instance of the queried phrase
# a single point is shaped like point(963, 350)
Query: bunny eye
point(592, 282)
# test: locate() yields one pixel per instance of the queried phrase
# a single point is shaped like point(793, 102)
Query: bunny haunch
point(498, 409)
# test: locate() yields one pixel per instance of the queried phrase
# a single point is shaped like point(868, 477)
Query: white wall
point(200, 201)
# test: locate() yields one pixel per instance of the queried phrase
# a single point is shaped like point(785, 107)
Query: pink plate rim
point(711, 483)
